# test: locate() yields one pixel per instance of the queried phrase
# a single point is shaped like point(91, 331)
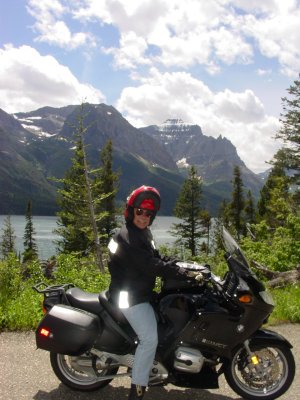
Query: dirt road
point(25, 373)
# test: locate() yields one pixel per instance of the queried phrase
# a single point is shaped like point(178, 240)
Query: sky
point(224, 65)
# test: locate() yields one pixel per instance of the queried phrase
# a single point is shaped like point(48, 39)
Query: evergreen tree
point(188, 209)
point(223, 219)
point(290, 131)
point(73, 219)
point(250, 211)
point(30, 247)
point(106, 189)
point(223, 213)
point(237, 203)
point(274, 202)
point(8, 238)
point(206, 223)
point(78, 202)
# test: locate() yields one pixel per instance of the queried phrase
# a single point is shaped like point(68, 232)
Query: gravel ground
point(25, 373)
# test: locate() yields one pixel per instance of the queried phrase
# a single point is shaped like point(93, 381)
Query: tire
point(268, 380)
point(79, 376)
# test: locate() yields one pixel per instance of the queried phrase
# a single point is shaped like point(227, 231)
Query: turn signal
point(246, 298)
point(44, 332)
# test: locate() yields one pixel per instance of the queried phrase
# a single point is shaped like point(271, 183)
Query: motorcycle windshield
point(233, 248)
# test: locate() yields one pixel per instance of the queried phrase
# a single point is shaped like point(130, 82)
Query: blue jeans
point(142, 319)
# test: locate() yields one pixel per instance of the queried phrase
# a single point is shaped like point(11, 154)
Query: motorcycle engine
point(188, 360)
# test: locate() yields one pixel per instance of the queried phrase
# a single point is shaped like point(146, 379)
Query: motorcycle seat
point(83, 300)
point(113, 310)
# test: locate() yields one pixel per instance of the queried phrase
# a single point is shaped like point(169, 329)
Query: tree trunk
point(278, 279)
point(98, 252)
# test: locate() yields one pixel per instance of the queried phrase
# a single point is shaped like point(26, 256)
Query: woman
point(134, 265)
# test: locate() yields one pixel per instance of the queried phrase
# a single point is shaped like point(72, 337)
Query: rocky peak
point(173, 132)
point(178, 127)
point(14, 128)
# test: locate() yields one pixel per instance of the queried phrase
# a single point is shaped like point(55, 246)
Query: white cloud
point(238, 116)
point(162, 96)
point(264, 72)
point(52, 29)
point(29, 80)
point(277, 35)
point(239, 107)
point(132, 48)
point(193, 32)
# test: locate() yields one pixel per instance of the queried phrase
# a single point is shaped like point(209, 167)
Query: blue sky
point(221, 64)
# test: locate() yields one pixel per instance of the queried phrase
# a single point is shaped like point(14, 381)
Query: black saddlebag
point(67, 330)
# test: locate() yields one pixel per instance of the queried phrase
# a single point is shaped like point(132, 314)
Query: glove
point(191, 274)
point(195, 275)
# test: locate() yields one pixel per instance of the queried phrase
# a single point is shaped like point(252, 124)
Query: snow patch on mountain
point(182, 163)
point(175, 129)
point(171, 125)
point(28, 124)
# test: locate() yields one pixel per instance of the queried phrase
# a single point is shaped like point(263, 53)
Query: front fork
point(254, 363)
point(252, 356)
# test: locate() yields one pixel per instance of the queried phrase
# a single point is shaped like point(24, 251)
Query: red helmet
point(146, 197)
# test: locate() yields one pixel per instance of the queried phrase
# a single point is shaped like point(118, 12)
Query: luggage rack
point(42, 287)
point(54, 294)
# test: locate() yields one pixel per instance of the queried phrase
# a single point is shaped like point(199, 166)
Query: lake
point(45, 237)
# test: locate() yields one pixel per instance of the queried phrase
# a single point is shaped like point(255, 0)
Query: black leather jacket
point(135, 263)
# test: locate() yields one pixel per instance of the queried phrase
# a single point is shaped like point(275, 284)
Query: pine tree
point(237, 203)
point(223, 219)
point(77, 217)
point(8, 238)
point(250, 211)
point(73, 219)
point(206, 223)
point(274, 202)
point(223, 213)
point(188, 209)
point(290, 131)
point(30, 247)
point(106, 189)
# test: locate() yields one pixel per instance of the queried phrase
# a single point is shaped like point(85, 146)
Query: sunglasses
point(145, 213)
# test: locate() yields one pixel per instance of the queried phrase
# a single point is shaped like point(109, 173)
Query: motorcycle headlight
point(267, 298)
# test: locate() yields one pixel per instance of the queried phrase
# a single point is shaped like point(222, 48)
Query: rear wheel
point(268, 379)
point(80, 373)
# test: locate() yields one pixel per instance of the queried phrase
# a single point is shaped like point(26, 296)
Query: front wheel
point(80, 373)
point(268, 379)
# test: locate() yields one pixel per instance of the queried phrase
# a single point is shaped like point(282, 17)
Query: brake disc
point(265, 373)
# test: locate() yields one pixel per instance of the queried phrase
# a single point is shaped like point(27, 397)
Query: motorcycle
point(205, 329)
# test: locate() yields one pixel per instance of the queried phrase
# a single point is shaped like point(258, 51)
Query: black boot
point(136, 392)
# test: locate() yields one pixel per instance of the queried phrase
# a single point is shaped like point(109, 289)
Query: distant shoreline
point(45, 237)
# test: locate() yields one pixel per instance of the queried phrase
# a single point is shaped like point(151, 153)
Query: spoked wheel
point(80, 373)
point(268, 379)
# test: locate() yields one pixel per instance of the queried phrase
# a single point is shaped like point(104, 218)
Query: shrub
point(20, 305)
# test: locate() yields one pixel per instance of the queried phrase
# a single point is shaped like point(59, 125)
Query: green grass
point(287, 305)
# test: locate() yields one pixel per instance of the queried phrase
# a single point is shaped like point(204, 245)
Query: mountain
point(49, 143)
point(38, 145)
point(20, 177)
point(213, 158)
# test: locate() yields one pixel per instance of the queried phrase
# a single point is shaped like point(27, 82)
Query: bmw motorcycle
point(205, 329)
